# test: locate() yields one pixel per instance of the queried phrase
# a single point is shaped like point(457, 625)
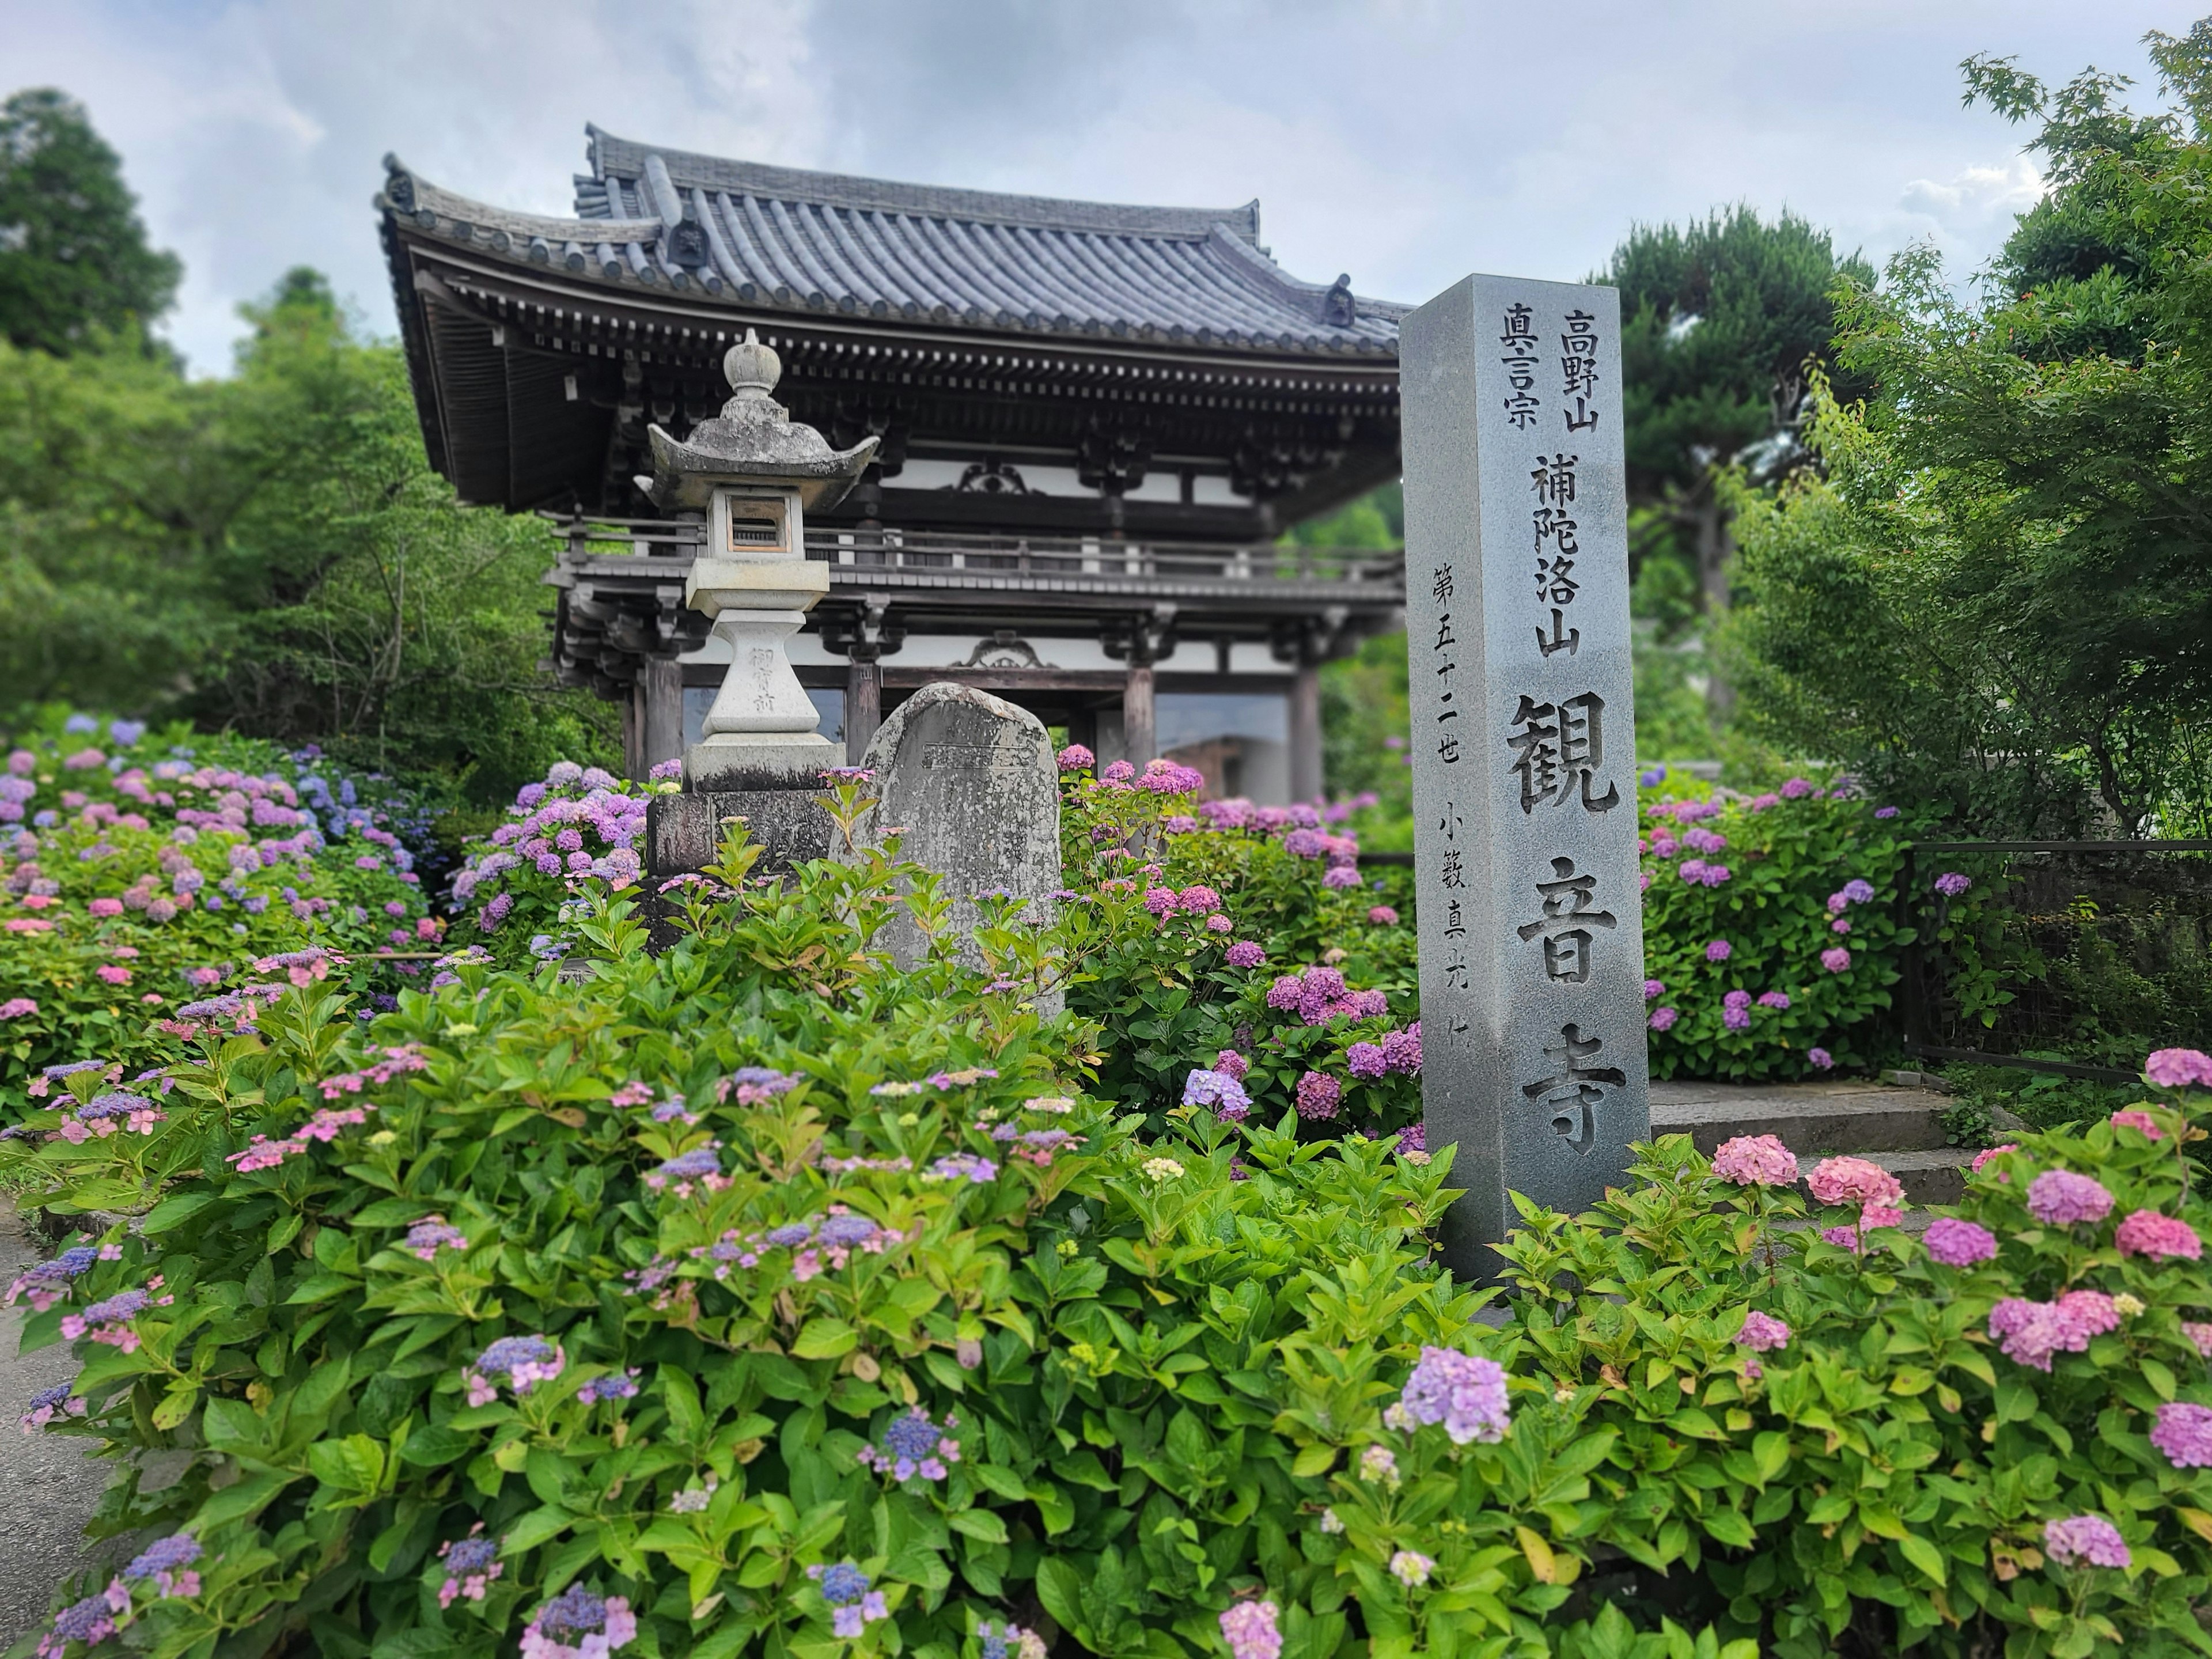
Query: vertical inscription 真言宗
point(1529, 902)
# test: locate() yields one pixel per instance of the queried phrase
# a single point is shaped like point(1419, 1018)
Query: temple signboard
point(1523, 739)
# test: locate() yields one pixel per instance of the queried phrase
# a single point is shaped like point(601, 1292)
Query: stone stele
point(972, 782)
point(1523, 748)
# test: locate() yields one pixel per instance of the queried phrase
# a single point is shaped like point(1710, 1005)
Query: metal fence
point(2093, 952)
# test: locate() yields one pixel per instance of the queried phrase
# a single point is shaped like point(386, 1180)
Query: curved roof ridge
point(625, 158)
point(423, 196)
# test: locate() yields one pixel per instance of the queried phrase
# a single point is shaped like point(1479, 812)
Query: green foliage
point(1997, 601)
point(74, 262)
point(271, 554)
point(1785, 920)
point(1154, 1381)
point(142, 872)
point(1364, 722)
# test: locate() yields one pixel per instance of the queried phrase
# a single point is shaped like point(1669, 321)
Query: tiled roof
point(764, 236)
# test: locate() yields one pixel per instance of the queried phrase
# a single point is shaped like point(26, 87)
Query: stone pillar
point(660, 712)
point(1305, 733)
point(1532, 1012)
point(1139, 724)
point(864, 703)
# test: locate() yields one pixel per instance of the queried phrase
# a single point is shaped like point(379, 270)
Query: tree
point(1720, 323)
point(2001, 598)
point(271, 553)
point(74, 260)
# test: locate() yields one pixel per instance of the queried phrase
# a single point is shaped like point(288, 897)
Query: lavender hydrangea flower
point(1951, 884)
point(471, 1564)
point(2061, 1198)
point(599, 1625)
point(1219, 1091)
point(167, 1562)
point(90, 1622)
point(1249, 1629)
point(522, 1361)
point(913, 1445)
point(1466, 1392)
point(2089, 1538)
point(2184, 1432)
point(853, 1605)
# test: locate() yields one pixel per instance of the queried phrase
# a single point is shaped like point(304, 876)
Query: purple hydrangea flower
point(1957, 1244)
point(1466, 1392)
point(1223, 1093)
point(2184, 1433)
point(2089, 1538)
point(2062, 1198)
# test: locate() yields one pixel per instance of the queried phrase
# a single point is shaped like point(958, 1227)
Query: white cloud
point(1406, 140)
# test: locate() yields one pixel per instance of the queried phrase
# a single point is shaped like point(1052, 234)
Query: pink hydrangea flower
point(2061, 1198)
point(1755, 1161)
point(2089, 1538)
point(1249, 1629)
point(1075, 758)
point(1836, 959)
point(2184, 1432)
point(1318, 1094)
point(1957, 1244)
point(1987, 1153)
point(1762, 1332)
point(1855, 1180)
point(2135, 1118)
point(1662, 1019)
point(2179, 1068)
point(2200, 1336)
point(2032, 1333)
point(1382, 915)
point(2161, 1237)
point(1244, 954)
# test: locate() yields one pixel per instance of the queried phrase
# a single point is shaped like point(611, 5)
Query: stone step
point(1938, 1176)
point(1860, 1118)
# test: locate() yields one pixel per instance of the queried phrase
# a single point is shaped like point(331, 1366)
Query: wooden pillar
point(864, 705)
point(632, 725)
point(1305, 733)
point(1083, 727)
point(1139, 725)
point(660, 713)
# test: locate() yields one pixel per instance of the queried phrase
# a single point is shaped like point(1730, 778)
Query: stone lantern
point(753, 472)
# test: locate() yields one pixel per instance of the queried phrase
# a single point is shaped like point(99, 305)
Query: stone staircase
point(1899, 1125)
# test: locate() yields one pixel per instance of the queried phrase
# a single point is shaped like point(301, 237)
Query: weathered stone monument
point(752, 473)
point(1523, 744)
point(971, 783)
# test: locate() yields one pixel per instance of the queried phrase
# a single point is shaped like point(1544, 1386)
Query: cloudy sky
point(1406, 140)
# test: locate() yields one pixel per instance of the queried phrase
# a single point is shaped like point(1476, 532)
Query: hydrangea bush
point(1771, 933)
point(138, 874)
point(765, 1296)
point(1186, 919)
point(580, 825)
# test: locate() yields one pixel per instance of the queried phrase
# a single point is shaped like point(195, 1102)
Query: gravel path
point(48, 1487)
